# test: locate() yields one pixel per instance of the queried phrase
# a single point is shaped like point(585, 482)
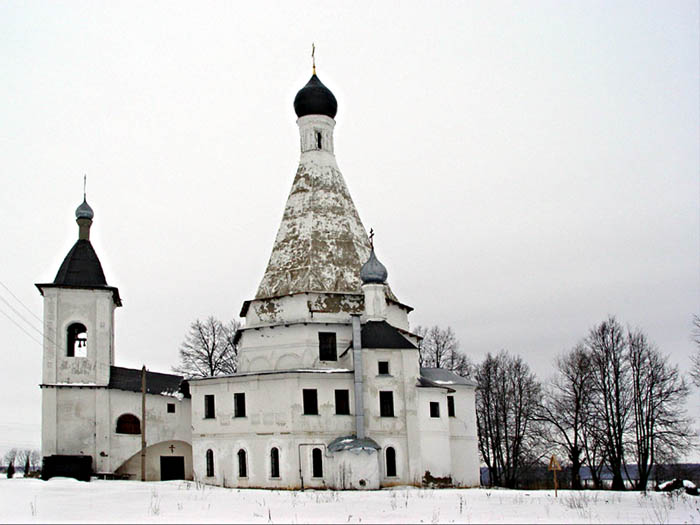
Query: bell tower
point(79, 314)
point(78, 347)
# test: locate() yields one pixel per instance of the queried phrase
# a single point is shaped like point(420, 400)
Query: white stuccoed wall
point(434, 434)
point(94, 309)
point(79, 413)
point(282, 333)
point(464, 447)
point(85, 419)
point(274, 417)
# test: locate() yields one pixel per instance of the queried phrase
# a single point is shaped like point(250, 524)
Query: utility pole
point(143, 423)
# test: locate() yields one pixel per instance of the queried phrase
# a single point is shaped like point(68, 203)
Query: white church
point(329, 392)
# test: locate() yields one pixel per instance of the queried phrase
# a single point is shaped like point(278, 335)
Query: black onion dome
point(373, 272)
point(315, 99)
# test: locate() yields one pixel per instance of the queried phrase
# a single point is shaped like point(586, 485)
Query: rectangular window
point(383, 368)
point(434, 409)
point(310, 402)
point(386, 404)
point(342, 402)
point(451, 406)
point(171, 408)
point(209, 406)
point(239, 405)
point(327, 350)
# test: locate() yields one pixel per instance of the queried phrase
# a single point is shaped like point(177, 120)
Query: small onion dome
point(84, 211)
point(373, 272)
point(315, 99)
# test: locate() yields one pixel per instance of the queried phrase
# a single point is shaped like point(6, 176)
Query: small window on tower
point(319, 142)
point(327, 349)
point(76, 344)
point(383, 368)
point(171, 408)
point(434, 409)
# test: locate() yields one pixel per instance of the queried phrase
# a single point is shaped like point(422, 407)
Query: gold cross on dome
point(313, 56)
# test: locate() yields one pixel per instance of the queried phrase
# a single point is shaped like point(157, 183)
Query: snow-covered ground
point(66, 500)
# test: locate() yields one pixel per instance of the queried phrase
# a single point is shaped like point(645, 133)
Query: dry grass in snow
point(70, 501)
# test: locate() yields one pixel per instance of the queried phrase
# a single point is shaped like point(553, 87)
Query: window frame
point(316, 467)
point(129, 422)
point(388, 464)
point(239, 408)
point(210, 463)
point(242, 465)
point(380, 365)
point(451, 406)
point(275, 463)
point(327, 350)
point(306, 401)
point(344, 392)
point(435, 409)
point(386, 403)
point(209, 406)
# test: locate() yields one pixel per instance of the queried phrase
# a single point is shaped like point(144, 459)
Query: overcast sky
point(528, 167)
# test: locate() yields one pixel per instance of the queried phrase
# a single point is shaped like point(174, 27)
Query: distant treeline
point(613, 412)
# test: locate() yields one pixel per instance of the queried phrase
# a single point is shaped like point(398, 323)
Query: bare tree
point(209, 349)
point(594, 449)
point(607, 346)
point(23, 457)
point(506, 401)
point(35, 459)
point(439, 348)
point(10, 456)
point(695, 358)
point(9, 459)
point(566, 407)
point(659, 395)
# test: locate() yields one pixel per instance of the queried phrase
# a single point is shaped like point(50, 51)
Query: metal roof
point(156, 383)
point(352, 443)
point(81, 267)
point(445, 377)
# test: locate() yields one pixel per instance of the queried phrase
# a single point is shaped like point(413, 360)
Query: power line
point(21, 328)
point(29, 324)
point(20, 302)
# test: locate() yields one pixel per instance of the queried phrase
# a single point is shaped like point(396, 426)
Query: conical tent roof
point(321, 243)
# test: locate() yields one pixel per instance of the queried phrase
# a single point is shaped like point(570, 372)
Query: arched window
point(274, 463)
point(319, 140)
point(210, 463)
point(317, 463)
point(390, 462)
point(128, 424)
point(242, 464)
point(76, 341)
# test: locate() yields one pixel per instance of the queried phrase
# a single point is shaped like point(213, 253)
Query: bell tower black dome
point(315, 99)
